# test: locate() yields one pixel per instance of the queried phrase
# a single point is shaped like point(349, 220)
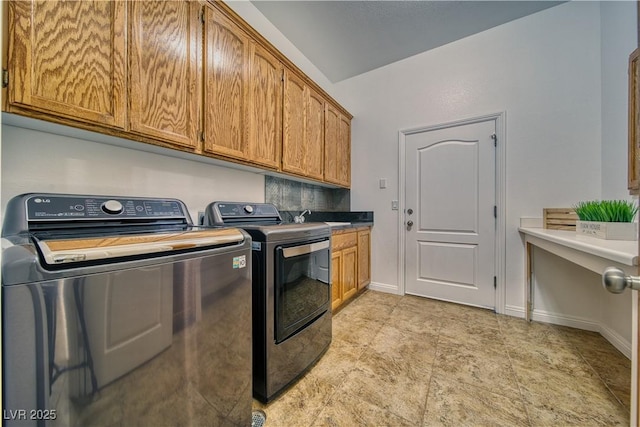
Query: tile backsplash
point(293, 196)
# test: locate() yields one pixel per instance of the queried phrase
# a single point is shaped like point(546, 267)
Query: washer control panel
point(53, 207)
point(240, 210)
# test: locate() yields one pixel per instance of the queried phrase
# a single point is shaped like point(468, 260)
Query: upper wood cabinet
point(293, 122)
point(344, 151)
point(265, 107)
point(337, 147)
point(164, 84)
point(68, 58)
point(226, 86)
point(303, 121)
point(184, 74)
point(314, 139)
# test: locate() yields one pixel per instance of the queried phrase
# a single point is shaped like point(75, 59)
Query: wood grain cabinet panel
point(314, 135)
point(185, 74)
point(265, 108)
point(344, 151)
point(349, 272)
point(364, 258)
point(226, 86)
point(350, 263)
point(633, 155)
point(336, 280)
point(68, 58)
point(294, 115)
point(303, 118)
point(337, 147)
point(331, 135)
point(344, 240)
point(165, 40)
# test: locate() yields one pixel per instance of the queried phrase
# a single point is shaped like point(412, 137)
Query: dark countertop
point(354, 218)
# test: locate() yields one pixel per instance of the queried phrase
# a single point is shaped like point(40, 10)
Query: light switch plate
point(394, 205)
point(383, 182)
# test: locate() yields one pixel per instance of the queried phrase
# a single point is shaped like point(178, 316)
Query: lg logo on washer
point(42, 200)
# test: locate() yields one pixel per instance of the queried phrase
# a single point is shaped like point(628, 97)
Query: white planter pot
point(608, 230)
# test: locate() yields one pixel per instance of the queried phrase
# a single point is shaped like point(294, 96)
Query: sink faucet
point(299, 219)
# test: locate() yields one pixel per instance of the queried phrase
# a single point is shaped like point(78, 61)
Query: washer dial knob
point(112, 207)
point(248, 209)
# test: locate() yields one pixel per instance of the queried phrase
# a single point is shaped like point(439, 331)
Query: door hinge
point(495, 139)
point(5, 78)
point(495, 282)
point(495, 211)
point(201, 15)
point(201, 136)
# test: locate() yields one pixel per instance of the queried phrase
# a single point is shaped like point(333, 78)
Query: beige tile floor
point(409, 361)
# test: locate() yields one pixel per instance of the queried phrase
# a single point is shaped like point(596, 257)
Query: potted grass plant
point(607, 219)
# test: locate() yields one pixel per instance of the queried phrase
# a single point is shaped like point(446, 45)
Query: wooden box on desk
point(559, 219)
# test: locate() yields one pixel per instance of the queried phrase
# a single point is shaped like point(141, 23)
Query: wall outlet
point(394, 205)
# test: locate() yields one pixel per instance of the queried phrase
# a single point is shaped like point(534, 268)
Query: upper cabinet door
point(344, 151)
point(331, 136)
point(293, 140)
point(164, 86)
point(265, 108)
point(337, 147)
point(226, 83)
point(68, 58)
point(315, 135)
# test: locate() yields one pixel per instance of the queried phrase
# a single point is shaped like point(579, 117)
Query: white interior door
point(450, 213)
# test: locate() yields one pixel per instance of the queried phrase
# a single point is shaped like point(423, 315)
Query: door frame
point(500, 165)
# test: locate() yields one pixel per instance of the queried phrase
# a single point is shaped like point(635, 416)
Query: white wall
point(35, 161)
point(567, 294)
point(619, 39)
point(542, 70)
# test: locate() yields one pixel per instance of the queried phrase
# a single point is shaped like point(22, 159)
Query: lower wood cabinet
point(350, 263)
point(364, 258)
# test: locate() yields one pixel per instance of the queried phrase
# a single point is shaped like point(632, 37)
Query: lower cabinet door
point(336, 280)
point(349, 272)
point(364, 258)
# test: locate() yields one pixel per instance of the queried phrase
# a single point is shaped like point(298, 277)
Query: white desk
point(595, 255)
point(589, 252)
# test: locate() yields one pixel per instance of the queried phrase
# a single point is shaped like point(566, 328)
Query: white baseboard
point(589, 325)
point(564, 320)
point(514, 311)
point(384, 287)
point(616, 340)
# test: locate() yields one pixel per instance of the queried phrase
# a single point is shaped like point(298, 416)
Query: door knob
point(615, 280)
point(409, 211)
point(409, 225)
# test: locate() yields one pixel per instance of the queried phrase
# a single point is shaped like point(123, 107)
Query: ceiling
point(347, 38)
